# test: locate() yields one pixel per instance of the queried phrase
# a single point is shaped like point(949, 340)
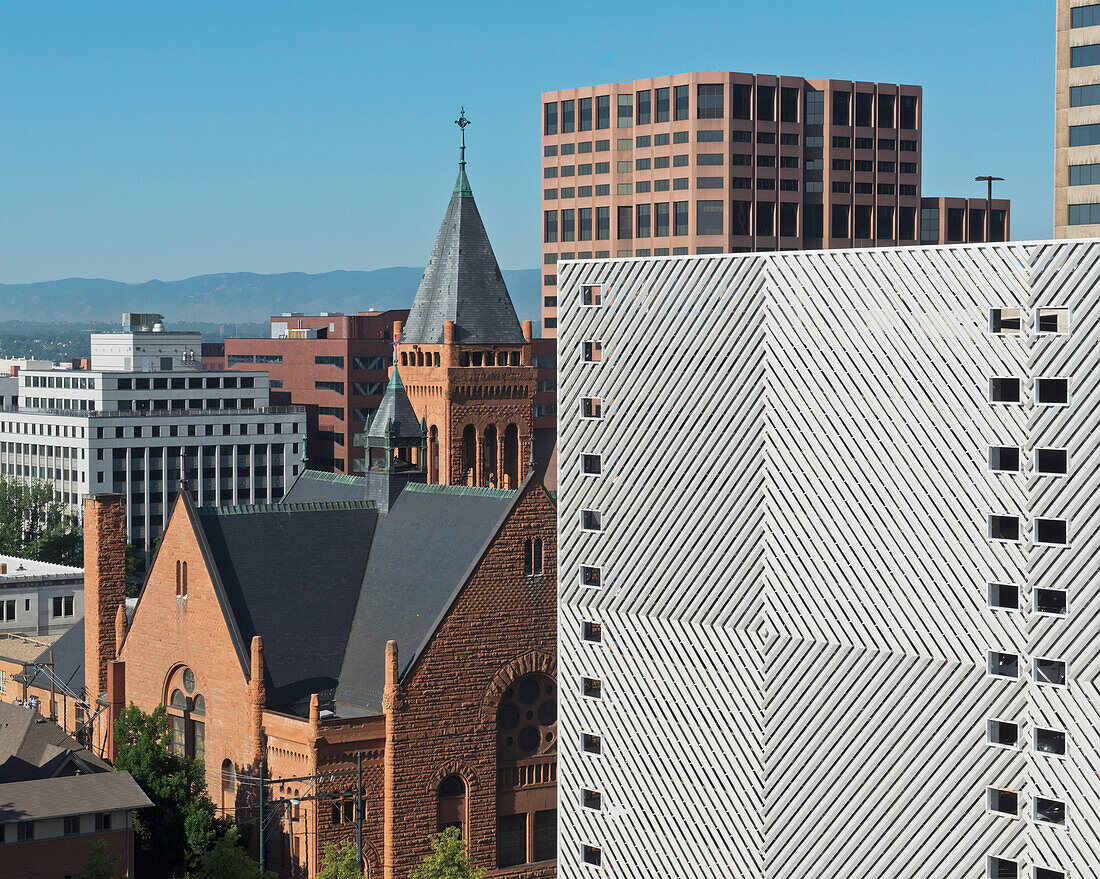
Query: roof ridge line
point(326, 476)
point(310, 507)
point(473, 490)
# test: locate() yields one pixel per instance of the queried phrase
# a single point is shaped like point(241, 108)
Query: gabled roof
point(462, 282)
point(75, 795)
point(424, 552)
point(395, 410)
point(292, 574)
point(31, 747)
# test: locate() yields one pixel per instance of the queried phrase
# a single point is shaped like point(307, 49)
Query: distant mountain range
point(236, 296)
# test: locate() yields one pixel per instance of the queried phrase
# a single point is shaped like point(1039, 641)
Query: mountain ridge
point(238, 296)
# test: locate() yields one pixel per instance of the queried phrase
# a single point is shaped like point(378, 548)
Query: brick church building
point(405, 617)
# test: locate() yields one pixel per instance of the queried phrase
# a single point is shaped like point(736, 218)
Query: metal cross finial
point(462, 122)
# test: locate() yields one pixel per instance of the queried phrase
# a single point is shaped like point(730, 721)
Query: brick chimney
point(104, 585)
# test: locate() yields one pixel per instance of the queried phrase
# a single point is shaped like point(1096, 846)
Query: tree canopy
point(340, 862)
point(448, 859)
point(101, 862)
point(180, 827)
point(35, 525)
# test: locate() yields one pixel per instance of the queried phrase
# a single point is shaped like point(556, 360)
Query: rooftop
point(72, 795)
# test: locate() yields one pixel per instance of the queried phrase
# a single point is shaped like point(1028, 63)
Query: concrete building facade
point(1077, 120)
point(145, 404)
point(827, 550)
point(39, 598)
point(334, 365)
point(733, 162)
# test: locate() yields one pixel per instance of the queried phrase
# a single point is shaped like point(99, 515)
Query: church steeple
point(462, 282)
point(395, 442)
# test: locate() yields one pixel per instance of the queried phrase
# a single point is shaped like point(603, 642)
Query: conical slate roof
point(462, 282)
point(395, 406)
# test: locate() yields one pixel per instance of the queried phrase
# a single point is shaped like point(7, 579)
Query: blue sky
point(151, 139)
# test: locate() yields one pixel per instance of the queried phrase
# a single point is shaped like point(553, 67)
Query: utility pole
point(261, 821)
point(988, 202)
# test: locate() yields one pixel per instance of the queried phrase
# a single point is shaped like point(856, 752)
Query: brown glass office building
point(730, 162)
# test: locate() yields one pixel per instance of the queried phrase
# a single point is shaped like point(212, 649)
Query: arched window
point(436, 358)
point(489, 458)
point(527, 730)
point(532, 556)
point(187, 715)
point(451, 809)
point(510, 465)
point(229, 777)
point(419, 358)
point(433, 454)
point(469, 454)
point(181, 579)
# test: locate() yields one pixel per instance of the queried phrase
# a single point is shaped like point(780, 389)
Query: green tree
point(34, 524)
point(180, 827)
point(101, 863)
point(448, 859)
point(228, 860)
point(340, 862)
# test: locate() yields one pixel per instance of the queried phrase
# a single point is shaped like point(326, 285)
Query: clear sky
point(151, 139)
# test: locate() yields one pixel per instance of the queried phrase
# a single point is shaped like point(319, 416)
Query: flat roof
point(19, 567)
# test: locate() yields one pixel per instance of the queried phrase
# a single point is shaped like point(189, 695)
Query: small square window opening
point(591, 407)
point(591, 295)
point(1051, 742)
point(1052, 532)
point(1052, 320)
point(1002, 802)
point(1004, 321)
point(591, 577)
point(591, 799)
point(1004, 390)
point(1049, 671)
point(591, 743)
point(1002, 733)
point(1047, 873)
point(591, 688)
point(591, 855)
point(591, 520)
point(1051, 462)
point(1004, 459)
point(1004, 528)
point(1047, 811)
point(1050, 602)
point(591, 465)
point(1003, 665)
point(1003, 596)
point(593, 352)
point(592, 632)
point(1052, 391)
point(1002, 868)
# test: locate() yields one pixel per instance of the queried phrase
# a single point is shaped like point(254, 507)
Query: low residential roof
point(73, 795)
point(31, 747)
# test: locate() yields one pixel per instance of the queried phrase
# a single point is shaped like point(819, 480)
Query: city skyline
point(200, 147)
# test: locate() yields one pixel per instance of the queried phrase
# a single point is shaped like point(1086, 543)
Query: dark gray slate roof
point(316, 486)
point(74, 795)
point(462, 282)
point(292, 575)
point(424, 551)
point(396, 408)
point(31, 747)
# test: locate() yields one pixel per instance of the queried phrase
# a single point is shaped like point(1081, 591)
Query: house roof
point(291, 573)
point(31, 747)
point(73, 795)
point(462, 282)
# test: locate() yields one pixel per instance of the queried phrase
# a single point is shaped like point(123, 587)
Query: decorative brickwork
point(104, 585)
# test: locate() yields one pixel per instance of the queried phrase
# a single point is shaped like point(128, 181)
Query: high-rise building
point(734, 162)
point(827, 564)
point(334, 365)
point(1077, 120)
point(145, 404)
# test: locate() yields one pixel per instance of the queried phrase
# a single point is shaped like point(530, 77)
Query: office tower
point(1077, 120)
point(334, 365)
point(734, 162)
point(827, 563)
point(145, 404)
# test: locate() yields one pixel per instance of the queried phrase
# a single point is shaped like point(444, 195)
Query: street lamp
point(988, 202)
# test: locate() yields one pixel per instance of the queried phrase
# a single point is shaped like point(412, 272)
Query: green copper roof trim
point(468, 490)
point(462, 184)
point(316, 507)
point(325, 476)
point(395, 383)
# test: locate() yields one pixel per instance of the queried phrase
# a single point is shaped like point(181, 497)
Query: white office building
point(125, 424)
point(829, 577)
point(39, 598)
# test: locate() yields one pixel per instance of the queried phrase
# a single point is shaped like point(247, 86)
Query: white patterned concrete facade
point(826, 607)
